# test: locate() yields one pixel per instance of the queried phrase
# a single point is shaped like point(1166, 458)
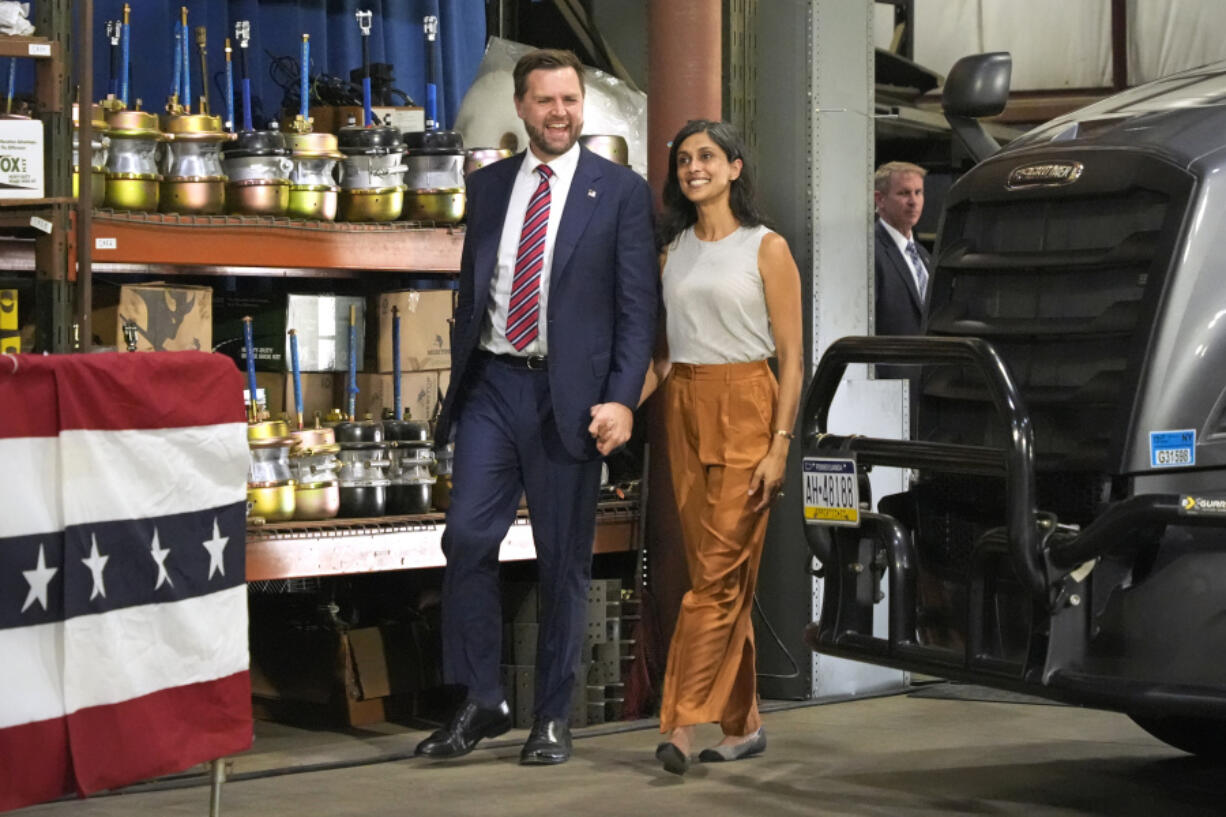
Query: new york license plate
point(832, 494)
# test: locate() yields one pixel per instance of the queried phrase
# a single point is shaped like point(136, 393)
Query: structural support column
point(809, 73)
point(54, 291)
point(841, 111)
point(685, 73)
point(84, 48)
point(685, 81)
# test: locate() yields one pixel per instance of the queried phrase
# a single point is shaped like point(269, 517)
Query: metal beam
point(740, 57)
point(904, 28)
point(583, 27)
point(244, 241)
point(85, 209)
point(1119, 44)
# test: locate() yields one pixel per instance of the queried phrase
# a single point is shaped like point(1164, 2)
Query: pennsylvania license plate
point(832, 494)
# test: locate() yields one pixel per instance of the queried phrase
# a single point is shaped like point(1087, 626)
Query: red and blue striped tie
point(524, 308)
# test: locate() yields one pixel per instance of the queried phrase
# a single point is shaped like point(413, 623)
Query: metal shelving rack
point(168, 244)
point(347, 546)
point(222, 243)
point(138, 243)
point(47, 222)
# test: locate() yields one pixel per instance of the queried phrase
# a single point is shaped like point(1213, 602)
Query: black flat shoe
point(470, 725)
point(548, 743)
point(756, 745)
point(672, 758)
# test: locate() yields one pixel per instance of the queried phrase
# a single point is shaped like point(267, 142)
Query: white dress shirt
point(493, 332)
point(902, 242)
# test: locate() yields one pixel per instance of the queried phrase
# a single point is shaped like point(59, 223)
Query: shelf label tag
point(106, 244)
point(40, 224)
point(40, 49)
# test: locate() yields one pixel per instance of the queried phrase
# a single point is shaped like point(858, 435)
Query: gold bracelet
point(782, 432)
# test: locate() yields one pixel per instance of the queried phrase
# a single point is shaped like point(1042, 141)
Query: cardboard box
point(10, 329)
point(270, 392)
point(406, 119)
point(418, 394)
point(21, 159)
point(321, 323)
point(267, 314)
point(352, 673)
point(167, 318)
point(321, 392)
point(330, 118)
point(425, 329)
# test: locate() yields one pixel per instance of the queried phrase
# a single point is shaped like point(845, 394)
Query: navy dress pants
point(506, 442)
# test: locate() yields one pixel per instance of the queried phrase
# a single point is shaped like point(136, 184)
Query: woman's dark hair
point(679, 212)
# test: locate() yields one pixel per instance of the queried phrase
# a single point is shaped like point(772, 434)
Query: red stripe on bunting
point(111, 391)
point(160, 733)
point(36, 766)
point(27, 407)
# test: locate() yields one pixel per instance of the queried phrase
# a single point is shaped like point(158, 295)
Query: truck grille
point(1065, 287)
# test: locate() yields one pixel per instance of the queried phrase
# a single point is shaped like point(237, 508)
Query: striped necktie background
point(921, 271)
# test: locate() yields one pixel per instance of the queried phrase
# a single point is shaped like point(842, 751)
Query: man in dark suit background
point(902, 265)
point(554, 329)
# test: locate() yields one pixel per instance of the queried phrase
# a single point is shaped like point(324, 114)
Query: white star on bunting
point(159, 555)
point(216, 548)
point(38, 578)
point(96, 563)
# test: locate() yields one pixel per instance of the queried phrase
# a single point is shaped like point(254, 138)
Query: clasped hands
point(611, 426)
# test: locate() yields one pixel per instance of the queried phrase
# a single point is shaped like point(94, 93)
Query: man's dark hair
point(679, 212)
point(549, 59)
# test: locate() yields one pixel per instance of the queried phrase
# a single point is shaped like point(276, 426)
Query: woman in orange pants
point(731, 301)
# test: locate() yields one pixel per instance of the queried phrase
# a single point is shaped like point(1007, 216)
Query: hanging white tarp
point(1166, 37)
point(1062, 44)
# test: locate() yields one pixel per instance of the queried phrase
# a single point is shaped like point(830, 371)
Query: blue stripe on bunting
point(127, 563)
point(19, 554)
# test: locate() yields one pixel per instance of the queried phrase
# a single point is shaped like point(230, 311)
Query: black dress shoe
point(470, 724)
point(548, 744)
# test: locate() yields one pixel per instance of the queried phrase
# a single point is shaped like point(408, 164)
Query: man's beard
point(537, 137)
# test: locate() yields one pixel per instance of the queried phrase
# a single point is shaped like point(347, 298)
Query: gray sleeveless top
point(714, 299)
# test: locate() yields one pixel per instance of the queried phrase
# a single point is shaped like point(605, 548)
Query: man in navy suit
point(902, 265)
point(554, 329)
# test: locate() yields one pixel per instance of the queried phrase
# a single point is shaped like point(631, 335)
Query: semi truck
point(1063, 528)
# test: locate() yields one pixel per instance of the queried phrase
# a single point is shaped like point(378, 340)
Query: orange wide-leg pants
point(719, 421)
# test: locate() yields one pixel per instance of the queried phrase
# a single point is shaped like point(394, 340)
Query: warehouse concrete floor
point(896, 755)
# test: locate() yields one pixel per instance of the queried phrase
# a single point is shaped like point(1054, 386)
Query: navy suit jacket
point(899, 309)
point(603, 292)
